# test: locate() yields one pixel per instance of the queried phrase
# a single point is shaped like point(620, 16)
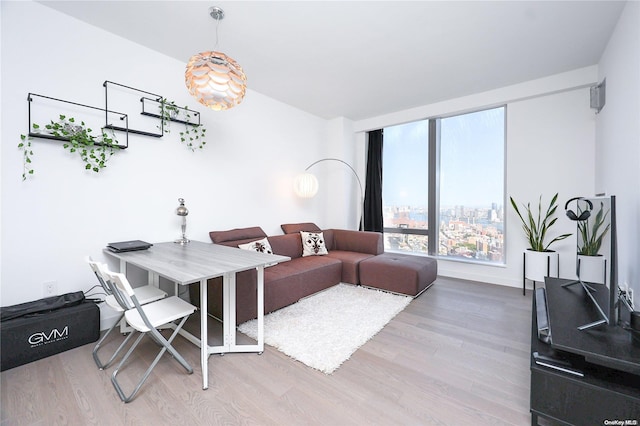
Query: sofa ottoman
point(399, 273)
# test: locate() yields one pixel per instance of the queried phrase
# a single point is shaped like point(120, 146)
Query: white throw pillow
point(313, 244)
point(261, 246)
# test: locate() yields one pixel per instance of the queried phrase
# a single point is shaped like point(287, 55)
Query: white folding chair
point(145, 294)
point(146, 319)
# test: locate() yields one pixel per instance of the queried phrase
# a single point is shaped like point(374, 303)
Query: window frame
point(433, 189)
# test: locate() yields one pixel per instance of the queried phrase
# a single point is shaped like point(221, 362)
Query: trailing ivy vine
point(94, 151)
point(27, 152)
point(193, 134)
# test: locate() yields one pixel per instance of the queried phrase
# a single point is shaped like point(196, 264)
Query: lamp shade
point(305, 185)
point(215, 80)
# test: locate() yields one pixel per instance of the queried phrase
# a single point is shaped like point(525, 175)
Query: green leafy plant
point(193, 135)
point(95, 151)
point(536, 228)
point(27, 153)
point(592, 232)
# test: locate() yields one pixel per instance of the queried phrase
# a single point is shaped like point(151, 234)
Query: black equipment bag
point(41, 305)
point(35, 330)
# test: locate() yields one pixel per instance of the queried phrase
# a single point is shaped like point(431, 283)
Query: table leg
point(204, 335)
point(229, 324)
point(226, 312)
point(230, 336)
point(260, 309)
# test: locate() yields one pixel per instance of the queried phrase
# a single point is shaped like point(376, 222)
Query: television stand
point(601, 381)
point(574, 282)
point(588, 291)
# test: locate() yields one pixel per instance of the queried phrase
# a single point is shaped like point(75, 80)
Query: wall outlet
point(50, 288)
point(630, 298)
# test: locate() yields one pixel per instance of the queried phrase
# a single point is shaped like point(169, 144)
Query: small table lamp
point(182, 211)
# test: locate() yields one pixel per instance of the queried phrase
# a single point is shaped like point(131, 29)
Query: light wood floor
point(457, 355)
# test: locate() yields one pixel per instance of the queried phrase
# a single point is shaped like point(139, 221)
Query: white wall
point(339, 182)
point(618, 139)
point(550, 148)
point(50, 222)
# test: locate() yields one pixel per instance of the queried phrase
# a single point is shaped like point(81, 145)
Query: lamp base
point(182, 241)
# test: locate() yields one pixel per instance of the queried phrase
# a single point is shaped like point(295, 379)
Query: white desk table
point(198, 262)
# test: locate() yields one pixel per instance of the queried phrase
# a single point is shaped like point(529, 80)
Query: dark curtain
point(373, 185)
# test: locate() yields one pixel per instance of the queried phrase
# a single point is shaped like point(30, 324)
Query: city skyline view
point(463, 232)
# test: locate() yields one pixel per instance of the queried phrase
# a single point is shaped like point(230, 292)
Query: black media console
point(588, 377)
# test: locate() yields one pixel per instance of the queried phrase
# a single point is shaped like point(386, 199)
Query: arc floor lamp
point(305, 185)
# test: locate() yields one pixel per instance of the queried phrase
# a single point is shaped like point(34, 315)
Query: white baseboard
point(478, 275)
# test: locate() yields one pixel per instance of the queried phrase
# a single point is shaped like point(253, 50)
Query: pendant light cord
point(217, 14)
point(217, 25)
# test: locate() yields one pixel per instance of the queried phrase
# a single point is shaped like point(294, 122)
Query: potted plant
point(591, 232)
point(538, 262)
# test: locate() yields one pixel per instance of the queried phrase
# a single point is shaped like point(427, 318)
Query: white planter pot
point(592, 269)
point(540, 264)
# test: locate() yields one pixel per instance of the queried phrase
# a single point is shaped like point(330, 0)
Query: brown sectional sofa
point(288, 282)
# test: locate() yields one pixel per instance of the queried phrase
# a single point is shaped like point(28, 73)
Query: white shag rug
point(323, 330)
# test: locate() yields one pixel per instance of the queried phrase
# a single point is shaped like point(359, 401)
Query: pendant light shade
point(213, 78)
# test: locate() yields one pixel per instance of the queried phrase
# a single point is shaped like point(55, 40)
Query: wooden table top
point(195, 261)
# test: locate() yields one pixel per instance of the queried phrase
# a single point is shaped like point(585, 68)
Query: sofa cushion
point(287, 245)
point(313, 244)
point(288, 282)
point(295, 228)
point(302, 266)
point(358, 241)
point(350, 264)
point(234, 237)
point(261, 246)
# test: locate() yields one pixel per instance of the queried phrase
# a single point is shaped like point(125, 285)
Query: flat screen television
point(601, 218)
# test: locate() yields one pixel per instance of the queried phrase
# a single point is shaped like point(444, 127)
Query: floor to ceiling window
point(405, 186)
point(449, 172)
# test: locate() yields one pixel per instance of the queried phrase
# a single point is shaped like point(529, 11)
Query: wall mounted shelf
point(45, 109)
point(153, 108)
point(119, 96)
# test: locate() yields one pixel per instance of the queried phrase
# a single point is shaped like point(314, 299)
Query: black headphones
point(583, 215)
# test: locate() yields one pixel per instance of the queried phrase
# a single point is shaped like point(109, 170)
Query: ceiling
point(361, 59)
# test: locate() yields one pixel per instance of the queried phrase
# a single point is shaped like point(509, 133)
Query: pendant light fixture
point(213, 78)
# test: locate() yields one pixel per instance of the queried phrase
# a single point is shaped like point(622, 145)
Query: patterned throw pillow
point(261, 246)
point(313, 244)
